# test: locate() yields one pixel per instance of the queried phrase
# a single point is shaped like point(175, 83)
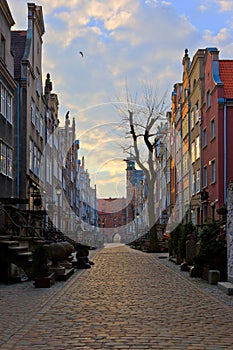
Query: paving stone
point(127, 300)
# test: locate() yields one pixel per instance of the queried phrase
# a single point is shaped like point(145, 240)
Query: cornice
point(7, 13)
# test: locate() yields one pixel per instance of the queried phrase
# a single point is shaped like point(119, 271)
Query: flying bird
point(81, 53)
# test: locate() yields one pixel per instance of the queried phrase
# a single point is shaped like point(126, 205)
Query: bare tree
point(144, 121)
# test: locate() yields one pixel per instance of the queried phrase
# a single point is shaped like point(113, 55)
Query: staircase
point(13, 252)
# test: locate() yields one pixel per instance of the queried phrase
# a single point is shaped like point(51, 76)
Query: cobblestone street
point(127, 300)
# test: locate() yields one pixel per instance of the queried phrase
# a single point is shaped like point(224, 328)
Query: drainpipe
point(225, 151)
point(190, 163)
point(18, 140)
point(201, 172)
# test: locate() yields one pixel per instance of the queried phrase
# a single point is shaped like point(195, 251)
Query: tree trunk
point(154, 247)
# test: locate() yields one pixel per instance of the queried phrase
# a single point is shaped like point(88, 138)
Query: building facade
point(201, 121)
point(27, 50)
point(8, 102)
point(217, 123)
point(112, 219)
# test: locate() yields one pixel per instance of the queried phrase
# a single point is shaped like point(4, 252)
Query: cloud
point(225, 5)
point(203, 8)
point(222, 37)
point(121, 40)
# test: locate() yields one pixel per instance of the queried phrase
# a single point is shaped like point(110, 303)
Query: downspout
point(225, 151)
point(201, 172)
point(18, 140)
point(190, 164)
point(182, 170)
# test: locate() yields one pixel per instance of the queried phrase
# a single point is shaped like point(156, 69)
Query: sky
point(124, 43)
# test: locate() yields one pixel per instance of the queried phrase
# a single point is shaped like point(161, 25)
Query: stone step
point(5, 237)
point(25, 254)
point(18, 249)
point(65, 275)
point(226, 287)
point(9, 242)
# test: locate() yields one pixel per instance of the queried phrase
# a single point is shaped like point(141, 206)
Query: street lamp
point(137, 217)
point(59, 192)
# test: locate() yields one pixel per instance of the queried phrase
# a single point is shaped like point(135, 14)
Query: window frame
point(198, 187)
point(212, 129)
point(213, 170)
point(6, 160)
point(205, 176)
point(204, 138)
point(208, 99)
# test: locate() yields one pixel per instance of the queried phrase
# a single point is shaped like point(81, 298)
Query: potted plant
point(40, 271)
point(173, 244)
point(212, 251)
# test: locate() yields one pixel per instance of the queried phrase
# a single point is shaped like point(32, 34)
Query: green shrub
point(212, 248)
point(186, 229)
point(174, 240)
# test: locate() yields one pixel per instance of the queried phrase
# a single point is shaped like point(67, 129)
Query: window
point(185, 127)
point(212, 129)
point(186, 195)
point(177, 141)
point(178, 170)
point(38, 84)
point(6, 103)
point(31, 152)
point(213, 170)
point(196, 112)
point(204, 138)
point(41, 126)
point(3, 48)
point(205, 176)
point(34, 158)
point(3, 100)
point(193, 149)
point(192, 119)
point(33, 112)
point(31, 146)
point(3, 159)
point(208, 99)
point(197, 147)
point(6, 160)
point(37, 121)
point(185, 163)
point(198, 180)
point(193, 183)
point(9, 162)
point(8, 107)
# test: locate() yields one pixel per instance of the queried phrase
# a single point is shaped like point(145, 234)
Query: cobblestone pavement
point(127, 300)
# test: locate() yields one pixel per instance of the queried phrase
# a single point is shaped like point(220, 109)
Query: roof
point(18, 40)
point(111, 205)
point(226, 75)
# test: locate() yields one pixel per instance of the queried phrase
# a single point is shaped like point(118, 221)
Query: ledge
point(226, 287)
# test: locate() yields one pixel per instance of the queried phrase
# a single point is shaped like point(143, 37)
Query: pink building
point(217, 126)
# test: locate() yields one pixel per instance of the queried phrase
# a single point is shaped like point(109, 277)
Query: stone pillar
point(230, 233)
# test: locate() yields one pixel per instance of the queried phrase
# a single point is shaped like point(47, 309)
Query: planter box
point(44, 282)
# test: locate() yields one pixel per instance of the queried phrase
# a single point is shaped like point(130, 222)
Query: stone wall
point(230, 232)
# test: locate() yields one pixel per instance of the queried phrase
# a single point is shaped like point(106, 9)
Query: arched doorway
point(116, 238)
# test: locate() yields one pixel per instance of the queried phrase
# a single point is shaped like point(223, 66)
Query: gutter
point(225, 150)
point(18, 140)
point(224, 102)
